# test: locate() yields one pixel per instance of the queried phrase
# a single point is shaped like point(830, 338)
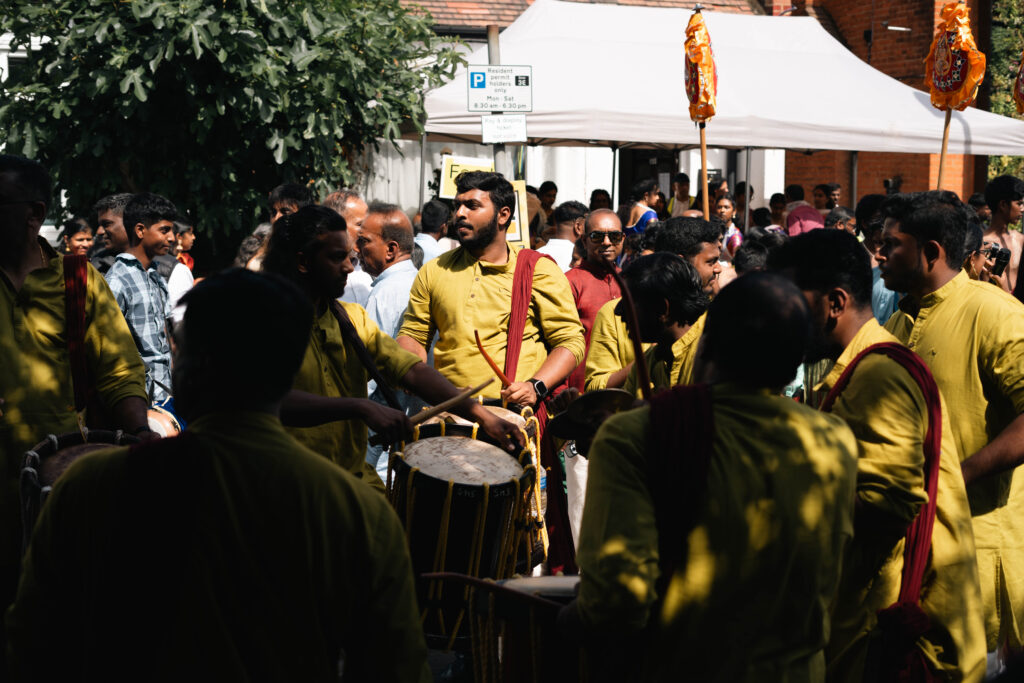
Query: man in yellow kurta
point(36, 390)
point(887, 412)
point(971, 335)
point(229, 553)
point(328, 410)
point(470, 289)
point(670, 301)
point(611, 351)
point(748, 601)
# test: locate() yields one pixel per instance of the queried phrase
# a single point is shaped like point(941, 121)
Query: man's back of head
point(764, 308)
point(794, 193)
point(434, 218)
point(25, 190)
point(568, 218)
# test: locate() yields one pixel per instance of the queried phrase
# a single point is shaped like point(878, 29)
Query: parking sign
point(500, 88)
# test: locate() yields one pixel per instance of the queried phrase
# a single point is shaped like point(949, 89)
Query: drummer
point(328, 410)
point(36, 381)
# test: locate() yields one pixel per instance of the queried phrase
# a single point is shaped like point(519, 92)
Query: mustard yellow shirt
point(247, 558)
point(35, 373)
point(971, 335)
point(886, 411)
point(750, 603)
point(664, 376)
point(610, 347)
point(331, 369)
point(456, 294)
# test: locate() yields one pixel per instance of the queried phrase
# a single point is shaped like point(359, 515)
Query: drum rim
point(525, 479)
point(57, 442)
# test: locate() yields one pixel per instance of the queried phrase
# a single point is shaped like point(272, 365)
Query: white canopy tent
point(612, 75)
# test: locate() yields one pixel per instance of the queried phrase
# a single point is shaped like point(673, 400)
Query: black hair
point(832, 187)
point(794, 193)
point(740, 187)
point(977, 200)
point(761, 308)
point(973, 239)
point(147, 208)
point(234, 322)
point(1003, 188)
point(649, 237)
point(825, 259)
point(641, 188)
point(775, 197)
point(661, 276)
point(113, 203)
point(752, 255)
point(937, 215)
point(30, 176)
point(73, 226)
point(761, 217)
point(600, 193)
point(727, 195)
point(566, 212)
point(687, 236)
point(868, 213)
point(292, 193)
point(823, 187)
point(434, 216)
point(547, 185)
point(298, 233)
point(681, 178)
point(393, 231)
point(502, 195)
point(840, 214)
point(183, 226)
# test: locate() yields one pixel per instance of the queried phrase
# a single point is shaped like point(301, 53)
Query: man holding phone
point(1005, 197)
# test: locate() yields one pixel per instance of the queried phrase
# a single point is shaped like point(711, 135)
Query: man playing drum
point(716, 517)
point(230, 552)
point(328, 410)
point(37, 385)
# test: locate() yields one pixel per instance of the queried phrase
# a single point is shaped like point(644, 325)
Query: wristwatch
point(539, 388)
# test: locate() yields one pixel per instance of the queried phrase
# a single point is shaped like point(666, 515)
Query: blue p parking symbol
point(478, 79)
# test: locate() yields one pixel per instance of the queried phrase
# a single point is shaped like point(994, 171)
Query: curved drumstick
point(505, 382)
point(633, 325)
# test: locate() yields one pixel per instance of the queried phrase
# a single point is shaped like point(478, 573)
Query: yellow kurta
point(35, 376)
point(456, 294)
point(250, 558)
point(886, 410)
point(971, 335)
point(751, 602)
point(663, 376)
point(331, 369)
point(610, 347)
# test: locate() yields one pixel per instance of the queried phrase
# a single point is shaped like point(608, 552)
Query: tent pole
point(945, 144)
point(854, 161)
point(615, 176)
point(704, 171)
point(494, 58)
point(746, 200)
point(423, 169)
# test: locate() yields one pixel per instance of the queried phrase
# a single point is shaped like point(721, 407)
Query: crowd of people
point(816, 479)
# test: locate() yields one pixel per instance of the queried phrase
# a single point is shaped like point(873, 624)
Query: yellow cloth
point(684, 353)
point(456, 294)
point(35, 373)
point(264, 564)
point(331, 369)
point(886, 410)
point(751, 601)
point(971, 335)
point(610, 347)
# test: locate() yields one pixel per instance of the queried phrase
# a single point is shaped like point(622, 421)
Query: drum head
point(545, 586)
point(163, 422)
point(462, 460)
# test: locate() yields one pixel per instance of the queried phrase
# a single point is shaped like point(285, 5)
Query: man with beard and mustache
point(470, 289)
point(327, 409)
point(887, 410)
point(971, 335)
point(521, 305)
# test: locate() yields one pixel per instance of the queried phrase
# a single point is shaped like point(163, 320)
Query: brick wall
point(900, 55)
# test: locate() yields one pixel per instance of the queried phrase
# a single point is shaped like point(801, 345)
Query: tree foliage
point(1007, 44)
point(213, 103)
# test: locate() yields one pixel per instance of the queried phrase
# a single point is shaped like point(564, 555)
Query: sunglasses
point(597, 237)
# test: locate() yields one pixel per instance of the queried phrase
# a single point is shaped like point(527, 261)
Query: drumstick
point(445, 405)
point(633, 325)
point(505, 381)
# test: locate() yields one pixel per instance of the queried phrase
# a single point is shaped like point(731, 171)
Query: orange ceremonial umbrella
point(701, 79)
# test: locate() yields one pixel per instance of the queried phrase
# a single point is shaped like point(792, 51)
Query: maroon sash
point(561, 555)
point(903, 622)
point(76, 275)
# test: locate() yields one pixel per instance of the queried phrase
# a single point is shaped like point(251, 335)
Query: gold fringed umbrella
point(954, 69)
point(701, 78)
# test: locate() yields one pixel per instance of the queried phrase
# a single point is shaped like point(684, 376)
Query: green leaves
point(212, 103)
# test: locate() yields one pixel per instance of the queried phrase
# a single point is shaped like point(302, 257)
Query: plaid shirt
point(142, 295)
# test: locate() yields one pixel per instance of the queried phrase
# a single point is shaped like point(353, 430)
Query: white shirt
point(430, 246)
point(357, 289)
point(178, 284)
point(561, 251)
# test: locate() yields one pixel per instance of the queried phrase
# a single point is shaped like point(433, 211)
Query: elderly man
point(350, 206)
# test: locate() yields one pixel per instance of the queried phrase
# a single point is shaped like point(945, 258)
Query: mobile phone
point(1002, 258)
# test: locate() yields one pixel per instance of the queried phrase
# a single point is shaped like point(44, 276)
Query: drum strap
point(351, 336)
point(75, 279)
point(522, 291)
point(681, 445)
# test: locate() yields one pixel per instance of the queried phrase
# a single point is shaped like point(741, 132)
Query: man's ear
point(139, 229)
point(838, 299)
point(504, 217)
point(933, 251)
point(578, 228)
point(301, 264)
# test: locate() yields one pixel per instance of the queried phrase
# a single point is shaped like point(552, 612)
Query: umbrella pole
point(945, 144)
point(704, 171)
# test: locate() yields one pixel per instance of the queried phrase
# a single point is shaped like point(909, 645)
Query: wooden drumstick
point(445, 405)
point(633, 325)
point(505, 381)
